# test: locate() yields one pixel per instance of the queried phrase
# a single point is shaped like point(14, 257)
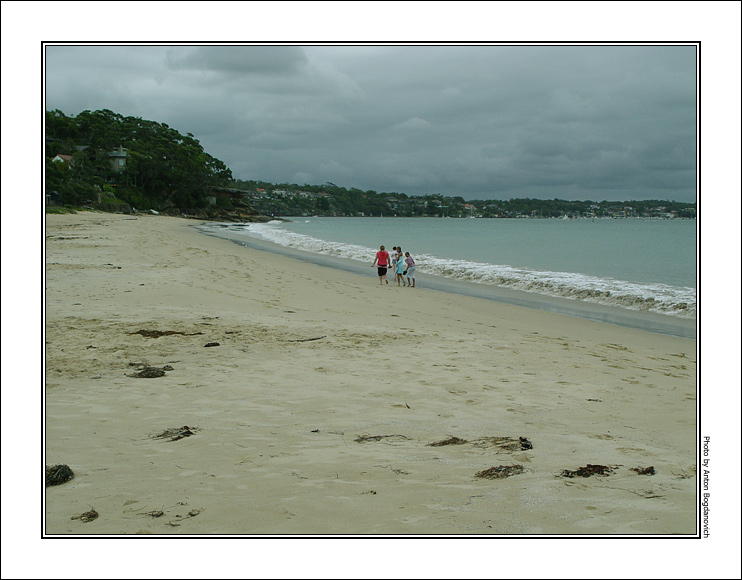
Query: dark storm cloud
point(274, 60)
point(576, 122)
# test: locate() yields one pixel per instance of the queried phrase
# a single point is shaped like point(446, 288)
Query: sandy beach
point(302, 400)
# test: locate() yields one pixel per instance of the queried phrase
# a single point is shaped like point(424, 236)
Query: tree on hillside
point(163, 167)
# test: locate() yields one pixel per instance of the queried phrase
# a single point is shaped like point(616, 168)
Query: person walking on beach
point(399, 269)
point(382, 259)
point(394, 255)
point(410, 271)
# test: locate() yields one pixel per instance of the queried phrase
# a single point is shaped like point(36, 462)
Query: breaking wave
point(662, 298)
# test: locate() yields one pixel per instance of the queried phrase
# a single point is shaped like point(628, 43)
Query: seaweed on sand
point(587, 471)
point(87, 516)
point(366, 438)
point(58, 474)
point(644, 470)
point(176, 433)
point(159, 333)
point(504, 443)
point(449, 441)
point(149, 372)
point(500, 472)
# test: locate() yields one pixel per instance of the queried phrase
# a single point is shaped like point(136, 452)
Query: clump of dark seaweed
point(149, 373)
point(500, 472)
point(58, 474)
point(449, 441)
point(587, 471)
point(644, 470)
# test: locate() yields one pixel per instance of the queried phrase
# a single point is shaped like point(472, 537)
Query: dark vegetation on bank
point(103, 160)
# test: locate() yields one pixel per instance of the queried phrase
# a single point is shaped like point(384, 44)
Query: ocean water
point(637, 264)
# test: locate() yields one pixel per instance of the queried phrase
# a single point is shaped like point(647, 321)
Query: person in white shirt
point(394, 256)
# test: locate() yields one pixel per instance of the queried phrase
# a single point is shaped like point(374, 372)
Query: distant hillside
point(102, 157)
point(331, 200)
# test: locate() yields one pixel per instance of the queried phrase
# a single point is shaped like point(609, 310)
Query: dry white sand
point(308, 361)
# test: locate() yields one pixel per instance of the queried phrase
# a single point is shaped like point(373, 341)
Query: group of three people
point(402, 265)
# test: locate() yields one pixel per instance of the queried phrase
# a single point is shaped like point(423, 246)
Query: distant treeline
point(331, 200)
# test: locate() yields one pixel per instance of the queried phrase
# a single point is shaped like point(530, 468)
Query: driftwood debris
point(588, 470)
point(308, 339)
point(366, 438)
point(155, 514)
point(449, 441)
point(58, 474)
point(176, 433)
point(159, 333)
point(504, 443)
point(500, 472)
point(87, 516)
point(159, 513)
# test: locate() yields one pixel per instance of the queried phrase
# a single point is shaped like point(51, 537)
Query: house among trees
point(62, 158)
point(117, 159)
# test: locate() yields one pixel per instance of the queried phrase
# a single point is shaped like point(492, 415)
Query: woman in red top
point(382, 259)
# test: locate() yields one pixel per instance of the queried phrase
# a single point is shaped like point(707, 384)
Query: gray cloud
point(273, 60)
point(576, 122)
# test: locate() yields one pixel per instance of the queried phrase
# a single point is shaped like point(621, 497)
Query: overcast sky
point(575, 122)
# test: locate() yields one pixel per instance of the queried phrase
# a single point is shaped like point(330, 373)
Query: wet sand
point(650, 321)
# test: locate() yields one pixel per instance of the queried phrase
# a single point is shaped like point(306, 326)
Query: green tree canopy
point(162, 166)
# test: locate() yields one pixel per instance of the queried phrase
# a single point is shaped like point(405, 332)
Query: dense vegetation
point(162, 167)
point(112, 161)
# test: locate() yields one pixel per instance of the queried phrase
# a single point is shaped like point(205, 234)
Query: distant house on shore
point(117, 158)
point(52, 198)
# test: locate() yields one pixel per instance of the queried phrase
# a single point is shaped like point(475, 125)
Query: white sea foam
point(673, 300)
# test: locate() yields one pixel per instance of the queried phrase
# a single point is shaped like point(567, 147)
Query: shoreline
point(640, 320)
point(316, 412)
